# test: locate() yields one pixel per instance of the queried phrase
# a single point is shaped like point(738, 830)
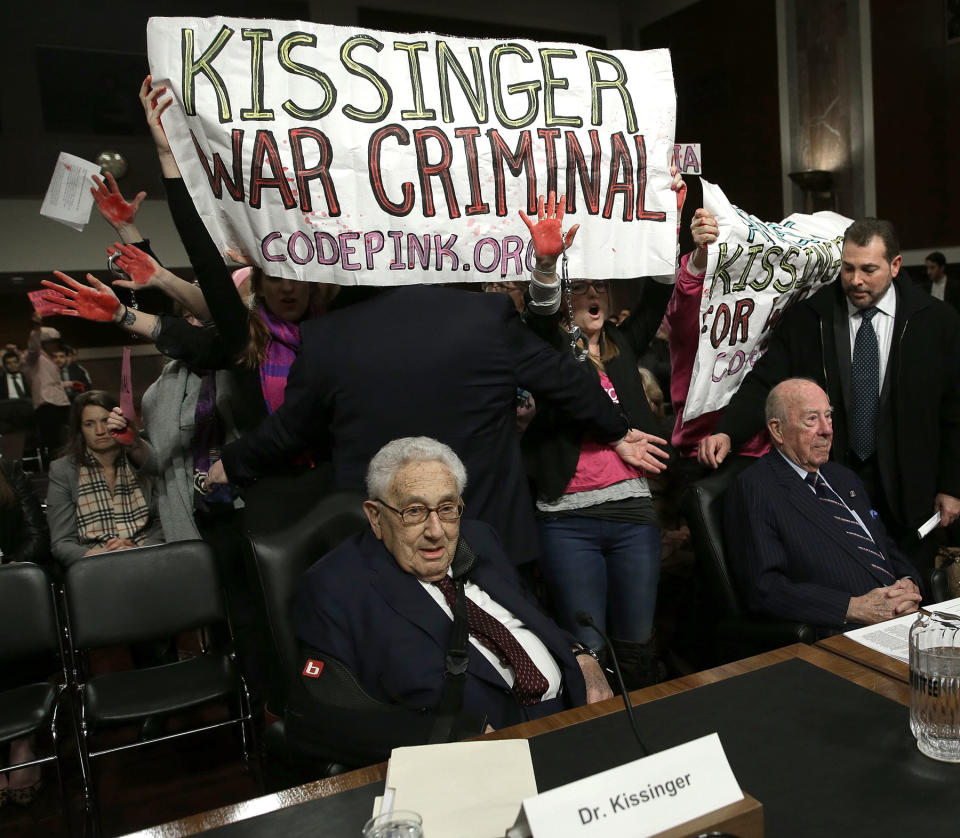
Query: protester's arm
point(137, 449)
point(226, 308)
point(116, 210)
point(301, 421)
point(32, 355)
point(146, 272)
point(97, 302)
point(557, 378)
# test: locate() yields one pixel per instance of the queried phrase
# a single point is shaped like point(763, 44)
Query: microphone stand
point(584, 619)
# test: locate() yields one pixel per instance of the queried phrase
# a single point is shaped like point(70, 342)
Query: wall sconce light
point(817, 187)
point(113, 162)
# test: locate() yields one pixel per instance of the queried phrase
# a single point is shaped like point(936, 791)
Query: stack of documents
point(462, 789)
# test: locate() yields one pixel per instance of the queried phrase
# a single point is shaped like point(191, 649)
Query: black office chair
point(148, 594)
point(281, 557)
point(736, 633)
point(29, 644)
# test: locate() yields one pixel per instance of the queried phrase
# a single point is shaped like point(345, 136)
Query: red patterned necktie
point(529, 683)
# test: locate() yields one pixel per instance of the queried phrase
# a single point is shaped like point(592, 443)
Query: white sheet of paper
point(68, 199)
point(893, 637)
point(925, 528)
point(463, 789)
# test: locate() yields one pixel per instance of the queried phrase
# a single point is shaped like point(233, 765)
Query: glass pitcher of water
point(935, 684)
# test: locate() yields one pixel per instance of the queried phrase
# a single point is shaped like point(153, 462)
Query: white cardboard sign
point(688, 158)
point(755, 271)
point(640, 798)
point(377, 158)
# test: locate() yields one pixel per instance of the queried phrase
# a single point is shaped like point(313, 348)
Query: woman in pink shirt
point(598, 526)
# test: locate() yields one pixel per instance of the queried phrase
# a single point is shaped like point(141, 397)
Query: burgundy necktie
point(529, 683)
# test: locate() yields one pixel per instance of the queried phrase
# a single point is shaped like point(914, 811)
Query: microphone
point(584, 619)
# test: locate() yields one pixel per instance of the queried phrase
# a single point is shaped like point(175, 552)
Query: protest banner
point(41, 305)
point(688, 157)
point(755, 270)
point(376, 158)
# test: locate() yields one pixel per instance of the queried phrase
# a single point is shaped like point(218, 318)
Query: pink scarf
point(282, 349)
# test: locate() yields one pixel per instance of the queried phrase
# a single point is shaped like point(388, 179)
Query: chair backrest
point(281, 558)
point(28, 620)
point(702, 504)
point(147, 593)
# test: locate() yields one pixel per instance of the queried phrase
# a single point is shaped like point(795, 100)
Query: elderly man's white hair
point(410, 449)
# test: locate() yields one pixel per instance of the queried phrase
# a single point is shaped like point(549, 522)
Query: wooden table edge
point(824, 657)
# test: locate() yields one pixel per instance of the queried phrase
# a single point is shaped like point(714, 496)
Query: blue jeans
point(609, 569)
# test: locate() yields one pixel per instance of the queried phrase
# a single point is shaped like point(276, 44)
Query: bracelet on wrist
point(545, 273)
point(580, 649)
point(128, 318)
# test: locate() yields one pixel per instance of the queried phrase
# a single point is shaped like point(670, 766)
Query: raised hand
point(112, 205)
point(641, 450)
point(154, 104)
point(547, 233)
point(119, 428)
point(140, 267)
point(94, 302)
point(678, 186)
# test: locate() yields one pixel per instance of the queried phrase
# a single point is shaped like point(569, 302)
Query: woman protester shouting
point(598, 526)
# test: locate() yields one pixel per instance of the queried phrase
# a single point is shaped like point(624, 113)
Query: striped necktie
point(840, 512)
point(529, 682)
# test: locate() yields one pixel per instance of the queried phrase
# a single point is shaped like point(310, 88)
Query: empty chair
point(29, 646)
point(141, 595)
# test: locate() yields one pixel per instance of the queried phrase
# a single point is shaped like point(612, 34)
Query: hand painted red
point(112, 205)
point(547, 233)
point(135, 263)
point(124, 437)
point(95, 302)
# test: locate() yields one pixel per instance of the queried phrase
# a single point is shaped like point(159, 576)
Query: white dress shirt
point(531, 644)
point(882, 324)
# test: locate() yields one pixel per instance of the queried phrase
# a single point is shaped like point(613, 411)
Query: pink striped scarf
point(282, 349)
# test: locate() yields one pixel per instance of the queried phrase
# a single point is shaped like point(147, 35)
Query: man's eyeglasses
point(417, 513)
point(580, 286)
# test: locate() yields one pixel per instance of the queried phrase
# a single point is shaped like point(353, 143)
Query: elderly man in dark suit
point(888, 356)
point(388, 604)
point(806, 542)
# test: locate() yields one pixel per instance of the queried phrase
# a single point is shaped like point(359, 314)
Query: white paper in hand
point(69, 199)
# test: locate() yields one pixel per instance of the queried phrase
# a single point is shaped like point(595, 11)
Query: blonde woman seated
point(97, 502)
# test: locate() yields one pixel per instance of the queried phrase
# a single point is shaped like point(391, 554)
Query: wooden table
point(870, 658)
point(852, 670)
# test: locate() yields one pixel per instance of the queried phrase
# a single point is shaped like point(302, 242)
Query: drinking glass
point(395, 824)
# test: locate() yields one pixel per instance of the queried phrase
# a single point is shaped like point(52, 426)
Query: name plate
point(642, 798)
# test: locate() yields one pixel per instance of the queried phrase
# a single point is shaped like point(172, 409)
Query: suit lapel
point(405, 595)
point(818, 513)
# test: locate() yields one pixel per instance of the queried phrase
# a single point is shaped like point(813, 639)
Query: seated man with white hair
point(383, 604)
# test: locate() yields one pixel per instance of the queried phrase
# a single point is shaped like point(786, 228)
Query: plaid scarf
point(102, 516)
point(282, 349)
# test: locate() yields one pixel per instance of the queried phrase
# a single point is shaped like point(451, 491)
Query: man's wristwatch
point(580, 649)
